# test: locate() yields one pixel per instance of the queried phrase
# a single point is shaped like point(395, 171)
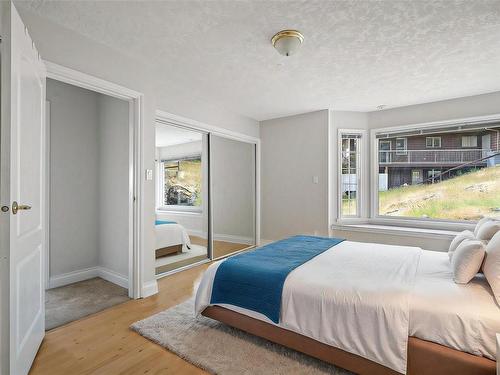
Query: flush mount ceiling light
point(287, 42)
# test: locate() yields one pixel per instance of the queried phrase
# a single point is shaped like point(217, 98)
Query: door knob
point(16, 207)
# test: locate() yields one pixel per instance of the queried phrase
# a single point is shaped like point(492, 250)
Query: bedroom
point(372, 127)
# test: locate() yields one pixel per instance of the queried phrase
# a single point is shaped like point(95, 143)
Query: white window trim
point(403, 151)
point(468, 136)
point(423, 223)
point(432, 143)
point(160, 206)
point(361, 201)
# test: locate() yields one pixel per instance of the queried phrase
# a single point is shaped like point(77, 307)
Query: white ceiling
point(356, 55)
point(170, 135)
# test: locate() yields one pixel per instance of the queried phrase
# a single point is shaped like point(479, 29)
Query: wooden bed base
point(424, 357)
point(169, 250)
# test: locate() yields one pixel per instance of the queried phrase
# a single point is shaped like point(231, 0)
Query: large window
point(350, 174)
point(449, 173)
point(182, 181)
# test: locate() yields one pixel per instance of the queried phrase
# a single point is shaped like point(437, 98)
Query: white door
point(22, 174)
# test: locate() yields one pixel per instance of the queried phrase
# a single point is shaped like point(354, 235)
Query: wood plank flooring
point(103, 343)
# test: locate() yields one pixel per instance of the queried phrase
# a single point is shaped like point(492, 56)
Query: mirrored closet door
point(232, 175)
point(181, 226)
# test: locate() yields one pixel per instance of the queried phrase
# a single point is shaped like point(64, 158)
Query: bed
point(376, 309)
point(171, 238)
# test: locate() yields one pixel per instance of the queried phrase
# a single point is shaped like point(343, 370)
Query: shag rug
point(220, 349)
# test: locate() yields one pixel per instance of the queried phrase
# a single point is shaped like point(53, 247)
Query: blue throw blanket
point(254, 280)
point(160, 222)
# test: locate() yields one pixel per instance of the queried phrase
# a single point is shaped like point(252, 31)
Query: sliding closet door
point(232, 173)
point(181, 227)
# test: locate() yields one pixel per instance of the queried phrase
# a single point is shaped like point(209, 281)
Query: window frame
point(413, 222)
point(469, 137)
point(403, 151)
point(161, 206)
point(360, 168)
point(432, 142)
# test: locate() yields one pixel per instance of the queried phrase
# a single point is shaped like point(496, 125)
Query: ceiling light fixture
point(287, 42)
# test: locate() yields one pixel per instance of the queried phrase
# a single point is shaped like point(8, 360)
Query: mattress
point(462, 317)
point(171, 235)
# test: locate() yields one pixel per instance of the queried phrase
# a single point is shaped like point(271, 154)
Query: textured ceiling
point(356, 55)
point(170, 135)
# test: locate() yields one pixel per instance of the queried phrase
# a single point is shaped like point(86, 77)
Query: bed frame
point(169, 250)
point(424, 357)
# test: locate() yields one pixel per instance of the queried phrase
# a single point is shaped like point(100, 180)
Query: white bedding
point(347, 298)
point(462, 317)
point(368, 298)
point(171, 235)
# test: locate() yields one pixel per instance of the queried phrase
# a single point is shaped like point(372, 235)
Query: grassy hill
point(466, 197)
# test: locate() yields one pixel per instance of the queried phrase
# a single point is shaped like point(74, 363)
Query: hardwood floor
point(103, 343)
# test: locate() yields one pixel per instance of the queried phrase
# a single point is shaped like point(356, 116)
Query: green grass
point(466, 197)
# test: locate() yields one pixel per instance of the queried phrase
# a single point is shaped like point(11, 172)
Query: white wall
point(471, 106)
point(113, 140)
point(293, 150)
point(67, 48)
point(89, 184)
point(74, 155)
point(233, 189)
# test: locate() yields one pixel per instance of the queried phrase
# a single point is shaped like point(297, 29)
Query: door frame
point(136, 183)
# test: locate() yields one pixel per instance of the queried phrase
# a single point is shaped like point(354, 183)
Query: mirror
point(232, 173)
point(181, 226)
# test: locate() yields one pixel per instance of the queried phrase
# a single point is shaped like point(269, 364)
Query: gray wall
point(233, 188)
point(67, 48)
point(89, 158)
point(113, 184)
point(74, 154)
point(293, 150)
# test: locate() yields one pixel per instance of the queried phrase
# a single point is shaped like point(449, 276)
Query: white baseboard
point(236, 239)
point(197, 233)
point(88, 273)
point(222, 237)
point(113, 277)
point(73, 277)
point(149, 288)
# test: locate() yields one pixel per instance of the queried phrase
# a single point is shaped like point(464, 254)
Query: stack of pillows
point(478, 251)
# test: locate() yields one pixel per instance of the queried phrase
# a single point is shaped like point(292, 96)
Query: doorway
point(88, 202)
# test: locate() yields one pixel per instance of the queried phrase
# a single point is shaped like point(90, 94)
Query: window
point(182, 181)
point(350, 144)
point(433, 142)
point(469, 141)
point(384, 151)
point(457, 183)
point(401, 145)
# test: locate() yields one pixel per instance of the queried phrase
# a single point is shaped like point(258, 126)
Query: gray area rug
point(74, 301)
point(220, 349)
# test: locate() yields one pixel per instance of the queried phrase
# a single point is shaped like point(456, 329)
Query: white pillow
point(491, 266)
point(464, 235)
point(467, 260)
point(480, 223)
point(487, 230)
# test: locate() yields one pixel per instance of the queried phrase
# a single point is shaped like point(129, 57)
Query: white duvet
point(171, 235)
point(354, 296)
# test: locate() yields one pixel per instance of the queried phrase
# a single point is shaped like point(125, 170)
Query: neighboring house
point(416, 159)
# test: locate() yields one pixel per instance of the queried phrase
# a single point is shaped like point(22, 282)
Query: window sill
point(179, 212)
point(396, 230)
